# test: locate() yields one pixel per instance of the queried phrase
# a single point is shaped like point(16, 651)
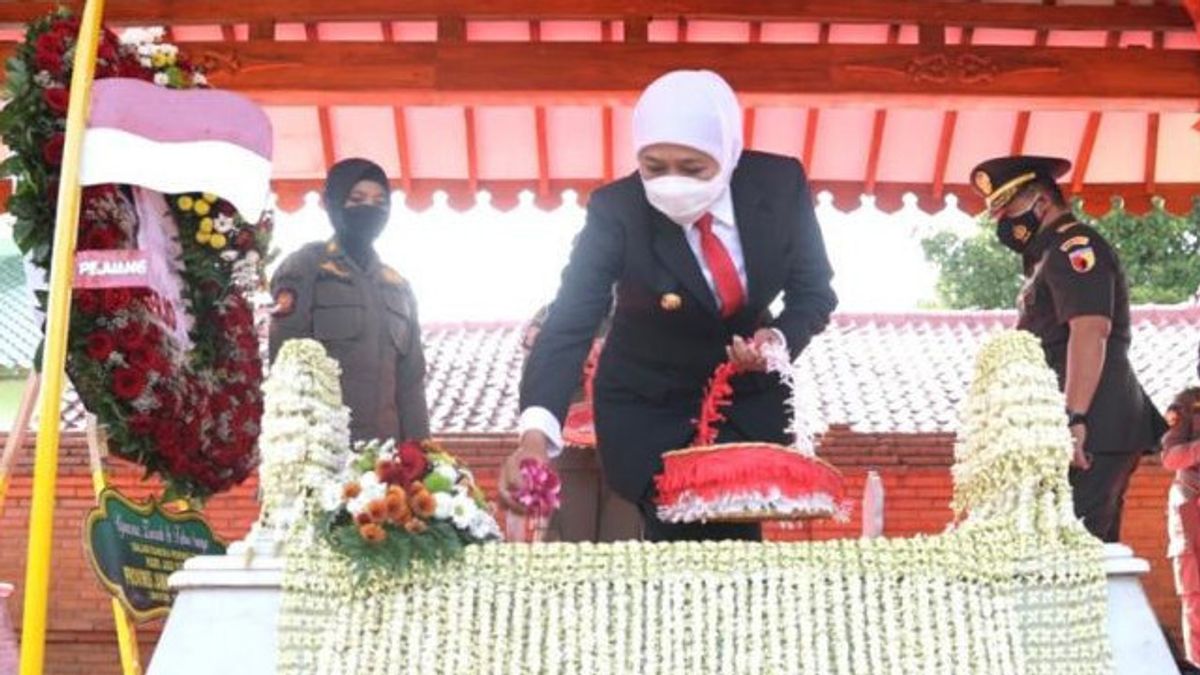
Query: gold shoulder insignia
point(1074, 242)
point(1064, 228)
point(392, 276)
point(332, 267)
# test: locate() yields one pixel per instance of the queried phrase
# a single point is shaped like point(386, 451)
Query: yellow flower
point(217, 241)
point(201, 207)
point(206, 224)
point(209, 197)
point(185, 202)
point(203, 237)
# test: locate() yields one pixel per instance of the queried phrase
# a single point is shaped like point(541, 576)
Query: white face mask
point(683, 199)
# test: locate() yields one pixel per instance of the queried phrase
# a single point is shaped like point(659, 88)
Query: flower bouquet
point(539, 496)
point(392, 506)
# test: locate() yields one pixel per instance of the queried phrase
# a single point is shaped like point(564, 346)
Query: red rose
point(100, 239)
point(56, 99)
point(53, 151)
point(408, 464)
point(88, 302)
point(117, 299)
point(142, 359)
point(107, 50)
point(244, 241)
point(100, 346)
point(141, 424)
point(132, 337)
point(128, 383)
point(48, 53)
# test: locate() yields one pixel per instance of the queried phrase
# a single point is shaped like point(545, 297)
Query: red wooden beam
point(998, 15)
point(814, 113)
point(949, 122)
point(1088, 143)
point(539, 120)
point(472, 149)
point(400, 124)
point(877, 130)
point(748, 119)
point(946, 142)
point(227, 33)
point(1151, 165)
point(606, 119)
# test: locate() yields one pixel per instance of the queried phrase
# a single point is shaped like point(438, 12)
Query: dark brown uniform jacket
point(367, 321)
point(1072, 271)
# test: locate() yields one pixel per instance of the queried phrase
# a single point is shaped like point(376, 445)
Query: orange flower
point(423, 504)
point(363, 518)
point(351, 490)
point(378, 509)
point(397, 505)
point(372, 533)
point(415, 526)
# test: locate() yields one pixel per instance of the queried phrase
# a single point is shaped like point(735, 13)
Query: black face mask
point(358, 227)
point(1016, 232)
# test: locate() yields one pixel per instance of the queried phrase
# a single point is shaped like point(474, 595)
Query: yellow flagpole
point(58, 319)
point(127, 644)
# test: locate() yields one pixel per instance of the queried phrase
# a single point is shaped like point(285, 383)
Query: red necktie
point(724, 273)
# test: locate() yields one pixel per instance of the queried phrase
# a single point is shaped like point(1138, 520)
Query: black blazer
point(657, 359)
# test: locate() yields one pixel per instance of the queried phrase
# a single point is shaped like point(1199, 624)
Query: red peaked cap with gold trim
point(999, 179)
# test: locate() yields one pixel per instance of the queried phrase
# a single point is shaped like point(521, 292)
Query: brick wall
point(915, 471)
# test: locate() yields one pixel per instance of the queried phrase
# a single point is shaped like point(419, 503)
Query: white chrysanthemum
point(331, 496)
point(444, 508)
point(462, 510)
point(161, 79)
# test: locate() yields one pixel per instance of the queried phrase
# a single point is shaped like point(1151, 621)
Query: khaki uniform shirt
point(367, 320)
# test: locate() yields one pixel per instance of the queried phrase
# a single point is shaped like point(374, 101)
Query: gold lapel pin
point(671, 302)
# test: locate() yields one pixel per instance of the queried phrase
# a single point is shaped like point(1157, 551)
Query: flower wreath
point(191, 416)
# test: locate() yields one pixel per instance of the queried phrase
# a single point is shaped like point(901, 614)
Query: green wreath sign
point(184, 404)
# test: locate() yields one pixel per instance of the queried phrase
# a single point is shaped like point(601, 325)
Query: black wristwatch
point(1075, 418)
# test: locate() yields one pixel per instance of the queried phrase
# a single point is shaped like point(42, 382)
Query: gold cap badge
point(671, 302)
point(984, 182)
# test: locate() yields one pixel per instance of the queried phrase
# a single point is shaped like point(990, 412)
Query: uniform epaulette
point(392, 276)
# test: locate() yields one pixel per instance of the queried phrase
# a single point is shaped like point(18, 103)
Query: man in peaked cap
point(1076, 300)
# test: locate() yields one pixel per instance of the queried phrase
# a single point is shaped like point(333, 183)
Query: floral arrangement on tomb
point(1015, 586)
point(175, 381)
point(380, 505)
point(748, 481)
point(393, 505)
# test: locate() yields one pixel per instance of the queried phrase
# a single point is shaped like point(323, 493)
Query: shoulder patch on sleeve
point(1067, 226)
point(1074, 242)
point(1082, 258)
point(285, 302)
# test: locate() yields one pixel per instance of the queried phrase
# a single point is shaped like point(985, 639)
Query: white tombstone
point(225, 617)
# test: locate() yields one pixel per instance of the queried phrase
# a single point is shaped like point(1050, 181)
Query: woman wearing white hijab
point(696, 246)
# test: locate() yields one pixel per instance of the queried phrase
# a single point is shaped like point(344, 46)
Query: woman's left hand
point(748, 355)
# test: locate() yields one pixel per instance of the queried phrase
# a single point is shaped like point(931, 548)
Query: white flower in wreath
point(331, 496)
point(161, 79)
point(199, 80)
point(444, 505)
point(229, 256)
point(224, 224)
point(371, 489)
point(483, 525)
point(463, 510)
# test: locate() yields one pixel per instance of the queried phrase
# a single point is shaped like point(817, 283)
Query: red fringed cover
point(713, 471)
point(710, 472)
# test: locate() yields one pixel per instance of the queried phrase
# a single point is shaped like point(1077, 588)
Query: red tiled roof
point(876, 373)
